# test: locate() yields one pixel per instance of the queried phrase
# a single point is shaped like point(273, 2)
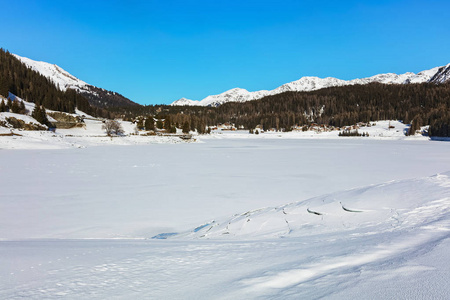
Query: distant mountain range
point(102, 98)
point(305, 84)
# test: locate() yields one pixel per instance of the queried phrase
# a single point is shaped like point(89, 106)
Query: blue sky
point(156, 52)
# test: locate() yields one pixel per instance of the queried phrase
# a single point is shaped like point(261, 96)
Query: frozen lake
point(54, 202)
point(140, 191)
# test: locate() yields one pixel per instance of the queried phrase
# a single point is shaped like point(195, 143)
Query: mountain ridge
point(63, 80)
point(311, 83)
point(102, 98)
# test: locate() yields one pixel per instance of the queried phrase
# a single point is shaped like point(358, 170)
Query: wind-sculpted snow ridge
point(391, 206)
point(311, 83)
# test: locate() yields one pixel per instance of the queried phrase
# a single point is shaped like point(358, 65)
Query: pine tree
point(167, 124)
point(9, 105)
point(2, 106)
point(4, 86)
point(22, 108)
point(186, 127)
point(140, 124)
point(36, 114)
point(415, 125)
point(149, 123)
point(40, 115)
point(15, 108)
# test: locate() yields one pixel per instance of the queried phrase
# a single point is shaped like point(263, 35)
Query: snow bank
point(397, 205)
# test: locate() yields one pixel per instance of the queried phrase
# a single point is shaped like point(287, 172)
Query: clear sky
point(156, 52)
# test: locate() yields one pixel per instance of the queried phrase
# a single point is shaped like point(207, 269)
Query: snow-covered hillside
point(61, 78)
point(305, 84)
point(64, 80)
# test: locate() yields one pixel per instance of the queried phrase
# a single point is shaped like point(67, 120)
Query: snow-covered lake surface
point(245, 218)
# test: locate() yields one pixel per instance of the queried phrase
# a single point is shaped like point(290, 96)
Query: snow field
point(77, 223)
point(144, 190)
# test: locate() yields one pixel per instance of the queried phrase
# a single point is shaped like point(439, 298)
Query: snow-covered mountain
point(310, 83)
point(442, 75)
point(184, 101)
point(62, 79)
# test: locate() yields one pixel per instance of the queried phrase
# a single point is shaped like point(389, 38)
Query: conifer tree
point(2, 106)
point(167, 123)
point(8, 105)
point(40, 115)
point(22, 108)
point(415, 125)
point(4, 86)
point(15, 107)
point(159, 124)
point(149, 123)
point(186, 127)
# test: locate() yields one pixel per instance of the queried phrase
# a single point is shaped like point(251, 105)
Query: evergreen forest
point(415, 104)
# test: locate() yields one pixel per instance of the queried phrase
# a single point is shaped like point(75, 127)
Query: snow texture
point(243, 218)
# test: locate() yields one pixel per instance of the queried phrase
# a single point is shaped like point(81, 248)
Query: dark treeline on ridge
point(418, 104)
point(17, 78)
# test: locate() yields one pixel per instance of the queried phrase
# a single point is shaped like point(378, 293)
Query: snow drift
point(396, 205)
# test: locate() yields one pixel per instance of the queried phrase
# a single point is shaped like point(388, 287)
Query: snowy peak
point(442, 75)
point(61, 78)
point(311, 83)
point(184, 101)
point(308, 83)
point(233, 95)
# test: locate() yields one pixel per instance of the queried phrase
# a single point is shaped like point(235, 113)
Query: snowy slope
point(59, 76)
point(188, 102)
point(311, 83)
point(233, 95)
point(442, 75)
point(64, 80)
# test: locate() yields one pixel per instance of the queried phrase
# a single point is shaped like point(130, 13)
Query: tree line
point(22, 81)
point(415, 104)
